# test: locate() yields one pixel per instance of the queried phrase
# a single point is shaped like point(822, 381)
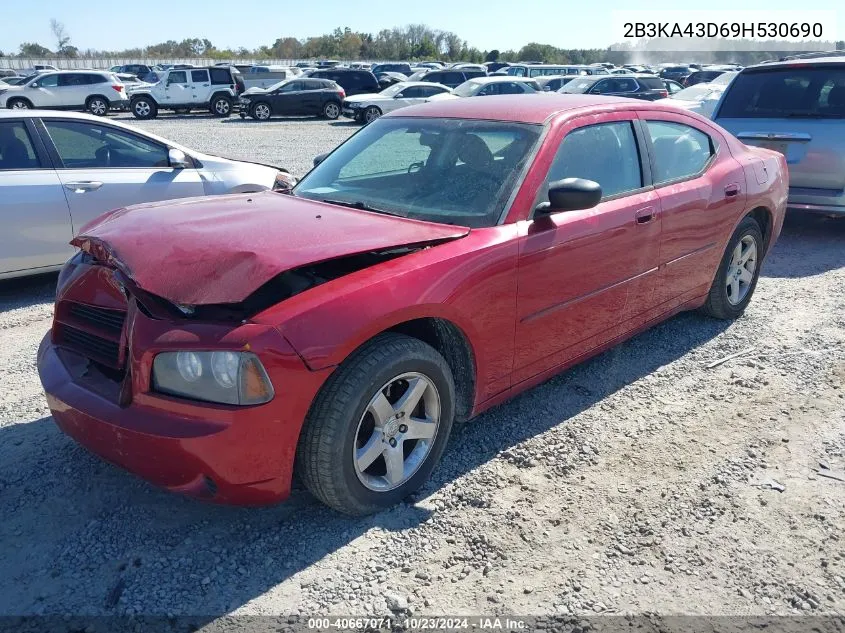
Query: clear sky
point(487, 24)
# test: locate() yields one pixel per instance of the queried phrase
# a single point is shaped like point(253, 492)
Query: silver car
point(59, 171)
point(797, 108)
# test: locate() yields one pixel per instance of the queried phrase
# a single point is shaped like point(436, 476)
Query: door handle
point(731, 191)
point(644, 216)
point(83, 186)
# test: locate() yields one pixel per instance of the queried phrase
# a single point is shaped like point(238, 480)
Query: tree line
point(414, 42)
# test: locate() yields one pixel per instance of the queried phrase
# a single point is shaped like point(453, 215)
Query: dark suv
point(392, 67)
point(354, 82)
point(298, 96)
point(702, 77)
point(676, 73)
point(452, 77)
point(647, 87)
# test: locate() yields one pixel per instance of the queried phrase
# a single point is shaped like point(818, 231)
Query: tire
point(97, 106)
point(261, 111)
point(736, 280)
point(221, 105)
point(18, 104)
point(341, 421)
point(143, 108)
point(331, 110)
point(371, 114)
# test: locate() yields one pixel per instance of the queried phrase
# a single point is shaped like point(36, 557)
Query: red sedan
point(438, 262)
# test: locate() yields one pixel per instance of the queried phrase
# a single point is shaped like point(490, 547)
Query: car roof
point(791, 63)
point(515, 108)
point(497, 79)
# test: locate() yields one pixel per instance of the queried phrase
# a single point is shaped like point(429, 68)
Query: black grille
point(91, 345)
point(110, 321)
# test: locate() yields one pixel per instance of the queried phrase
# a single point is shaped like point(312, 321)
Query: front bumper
point(219, 453)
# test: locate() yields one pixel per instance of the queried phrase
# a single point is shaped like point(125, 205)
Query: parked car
point(490, 86)
point(300, 96)
point(646, 87)
point(539, 70)
point(676, 73)
point(7, 72)
point(349, 353)
point(393, 67)
point(387, 79)
point(672, 86)
point(17, 81)
point(141, 71)
point(214, 89)
point(798, 109)
point(59, 171)
point(449, 77)
point(702, 76)
point(367, 108)
point(553, 83)
point(267, 76)
point(700, 98)
point(353, 82)
point(94, 91)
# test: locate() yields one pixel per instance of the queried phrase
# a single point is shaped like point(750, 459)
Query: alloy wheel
point(142, 108)
point(98, 107)
point(262, 111)
point(396, 432)
point(221, 106)
point(741, 269)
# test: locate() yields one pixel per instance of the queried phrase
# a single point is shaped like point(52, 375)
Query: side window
point(489, 89)
point(50, 81)
point(680, 151)
point(71, 79)
point(602, 87)
point(625, 85)
point(428, 91)
point(199, 76)
point(454, 77)
point(605, 153)
point(220, 76)
point(81, 145)
point(177, 77)
point(511, 89)
point(16, 151)
point(414, 92)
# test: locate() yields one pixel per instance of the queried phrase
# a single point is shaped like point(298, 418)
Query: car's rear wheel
point(97, 106)
point(261, 111)
point(18, 104)
point(144, 108)
point(379, 426)
point(738, 272)
point(221, 106)
point(331, 110)
point(371, 114)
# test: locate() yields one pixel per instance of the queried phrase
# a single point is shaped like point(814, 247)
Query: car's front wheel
point(371, 114)
point(144, 108)
point(331, 110)
point(18, 104)
point(738, 272)
point(379, 425)
point(261, 111)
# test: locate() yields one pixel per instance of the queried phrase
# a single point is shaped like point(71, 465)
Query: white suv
point(94, 91)
point(182, 89)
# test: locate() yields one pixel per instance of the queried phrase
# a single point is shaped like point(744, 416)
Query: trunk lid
point(219, 250)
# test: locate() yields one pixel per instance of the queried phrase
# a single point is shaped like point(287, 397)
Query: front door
point(177, 89)
point(105, 168)
point(583, 274)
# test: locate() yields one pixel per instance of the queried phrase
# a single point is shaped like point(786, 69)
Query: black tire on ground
point(97, 105)
point(719, 304)
point(221, 105)
point(261, 111)
point(371, 114)
point(14, 104)
point(324, 455)
point(331, 110)
point(143, 108)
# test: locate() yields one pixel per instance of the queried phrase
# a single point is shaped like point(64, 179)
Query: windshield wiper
point(361, 205)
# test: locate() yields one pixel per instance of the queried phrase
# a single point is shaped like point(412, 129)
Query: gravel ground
point(638, 482)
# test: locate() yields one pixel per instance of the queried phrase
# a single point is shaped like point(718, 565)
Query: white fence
point(16, 63)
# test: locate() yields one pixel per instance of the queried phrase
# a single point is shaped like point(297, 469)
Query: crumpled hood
point(221, 249)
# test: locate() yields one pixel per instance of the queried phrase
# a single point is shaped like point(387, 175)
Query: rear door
point(102, 167)
point(72, 89)
point(200, 87)
point(33, 208)
point(798, 110)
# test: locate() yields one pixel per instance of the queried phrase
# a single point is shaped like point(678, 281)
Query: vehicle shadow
point(809, 244)
point(24, 292)
point(276, 119)
point(78, 535)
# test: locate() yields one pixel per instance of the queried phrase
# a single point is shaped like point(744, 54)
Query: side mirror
point(570, 194)
point(320, 158)
point(177, 159)
point(399, 96)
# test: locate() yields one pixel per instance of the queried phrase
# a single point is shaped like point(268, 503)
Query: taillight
point(342, 93)
point(118, 88)
point(663, 93)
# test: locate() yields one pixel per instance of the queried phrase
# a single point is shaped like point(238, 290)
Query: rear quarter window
point(651, 83)
point(788, 92)
point(220, 76)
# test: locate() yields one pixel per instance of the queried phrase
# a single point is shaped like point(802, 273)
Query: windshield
point(578, 85)
point(694, 93)
point(453, 171)
point(395, 89)
point(466, 89)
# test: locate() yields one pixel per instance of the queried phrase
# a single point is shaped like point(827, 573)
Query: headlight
point(225, 377)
